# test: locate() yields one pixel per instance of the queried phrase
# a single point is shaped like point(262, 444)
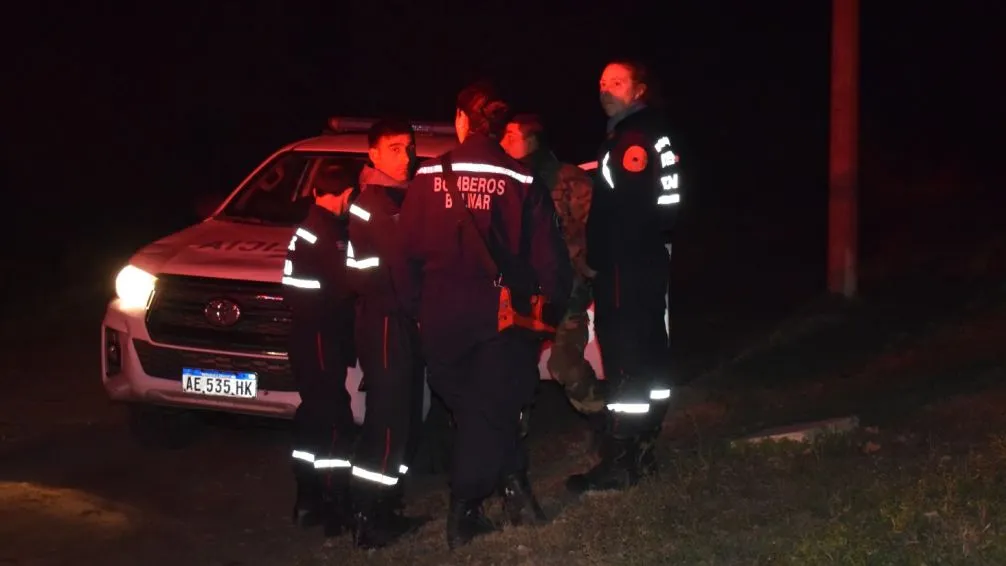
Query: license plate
point(219, 383)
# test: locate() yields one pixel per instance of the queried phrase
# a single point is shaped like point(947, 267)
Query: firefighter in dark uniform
point(628, 243)
point(387, 338)
point(320, 297)
point(480, 372)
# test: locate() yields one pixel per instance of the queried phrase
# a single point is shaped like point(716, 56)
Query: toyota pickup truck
point(198, 321)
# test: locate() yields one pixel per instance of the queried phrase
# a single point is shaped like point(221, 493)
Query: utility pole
point(843, 173)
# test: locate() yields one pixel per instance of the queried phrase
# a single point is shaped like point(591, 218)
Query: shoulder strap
point(466, 218)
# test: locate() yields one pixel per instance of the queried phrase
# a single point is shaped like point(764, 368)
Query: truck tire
point(163, 427)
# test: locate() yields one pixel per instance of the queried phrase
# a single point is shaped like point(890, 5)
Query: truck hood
point(219, 249)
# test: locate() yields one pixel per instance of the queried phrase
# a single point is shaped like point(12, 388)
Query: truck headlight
point(134, 286)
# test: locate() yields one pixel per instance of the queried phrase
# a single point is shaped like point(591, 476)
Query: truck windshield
point(280, 193)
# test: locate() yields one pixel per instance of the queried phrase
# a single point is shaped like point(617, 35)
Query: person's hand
point(584, 270)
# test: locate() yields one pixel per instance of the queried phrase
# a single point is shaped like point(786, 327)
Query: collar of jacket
point(396, 195)
point(544, 164)
point(371, 176)
point(629, 111)
point(482, 141)
point(323, 214)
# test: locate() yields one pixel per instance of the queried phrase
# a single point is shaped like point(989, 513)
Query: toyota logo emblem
point(222, 312)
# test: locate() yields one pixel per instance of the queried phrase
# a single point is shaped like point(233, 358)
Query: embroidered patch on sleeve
point(634, 159)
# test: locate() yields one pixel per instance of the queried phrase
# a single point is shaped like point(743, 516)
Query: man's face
point(393, 155)
point(516, 144)
point(618, 90)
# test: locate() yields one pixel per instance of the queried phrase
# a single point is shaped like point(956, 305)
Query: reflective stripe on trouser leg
point(629, 408)
point(374, 477)
point(660, 393)
point(638, 407)
point(331, 463)
point(387, 358)
point(319, 462)
point(323, 421)
point(635, 419)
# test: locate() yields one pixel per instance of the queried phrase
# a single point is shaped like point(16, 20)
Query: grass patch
point(881, 498)
point(837, 502)
point(926, 488)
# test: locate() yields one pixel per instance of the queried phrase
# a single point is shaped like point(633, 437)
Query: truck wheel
point(162, 427)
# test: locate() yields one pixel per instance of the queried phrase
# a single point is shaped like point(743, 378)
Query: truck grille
point(167, 363)
point(177, 314)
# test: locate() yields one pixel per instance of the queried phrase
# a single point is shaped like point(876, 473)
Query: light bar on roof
point(434, 128)
point(348, 124)
point(353, 124)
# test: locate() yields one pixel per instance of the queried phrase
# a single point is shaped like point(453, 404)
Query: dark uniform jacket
point(376, 253)
point(457, 300)
point(316, 283)
point(636, 193)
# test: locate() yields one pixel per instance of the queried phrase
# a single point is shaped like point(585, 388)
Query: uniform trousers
point(393, 373)
point(323, 423)
point(632, 336)
point(485, 388)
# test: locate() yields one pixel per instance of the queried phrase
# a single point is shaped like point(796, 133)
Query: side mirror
point(205, 205)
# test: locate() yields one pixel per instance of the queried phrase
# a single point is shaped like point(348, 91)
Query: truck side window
point(280, 193)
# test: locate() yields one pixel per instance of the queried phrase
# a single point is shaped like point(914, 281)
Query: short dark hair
point(389, 127)
point(531, 125)
point(486, 110)
point(333, 179)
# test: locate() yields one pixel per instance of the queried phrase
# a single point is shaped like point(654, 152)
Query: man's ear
point(640, 92)
point(461, 124)
point(532, 143)
point(346, 199)
point(371, 153)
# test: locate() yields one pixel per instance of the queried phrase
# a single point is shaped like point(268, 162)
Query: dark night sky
point(133, 110)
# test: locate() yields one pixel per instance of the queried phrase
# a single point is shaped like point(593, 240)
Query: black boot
point(525, 422)
point(598, 423)
point(338, 507)
point(378, 521)
point(307, 507)
point(517, 496)
point(617, 470)
point(646, 459)
point(465, 521)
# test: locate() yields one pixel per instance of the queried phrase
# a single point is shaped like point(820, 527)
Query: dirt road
point(76, 488)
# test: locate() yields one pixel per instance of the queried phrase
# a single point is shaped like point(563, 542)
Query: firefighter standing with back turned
point(474, 196)
point(319, 295)
point(387, 338)
point(628, 243)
